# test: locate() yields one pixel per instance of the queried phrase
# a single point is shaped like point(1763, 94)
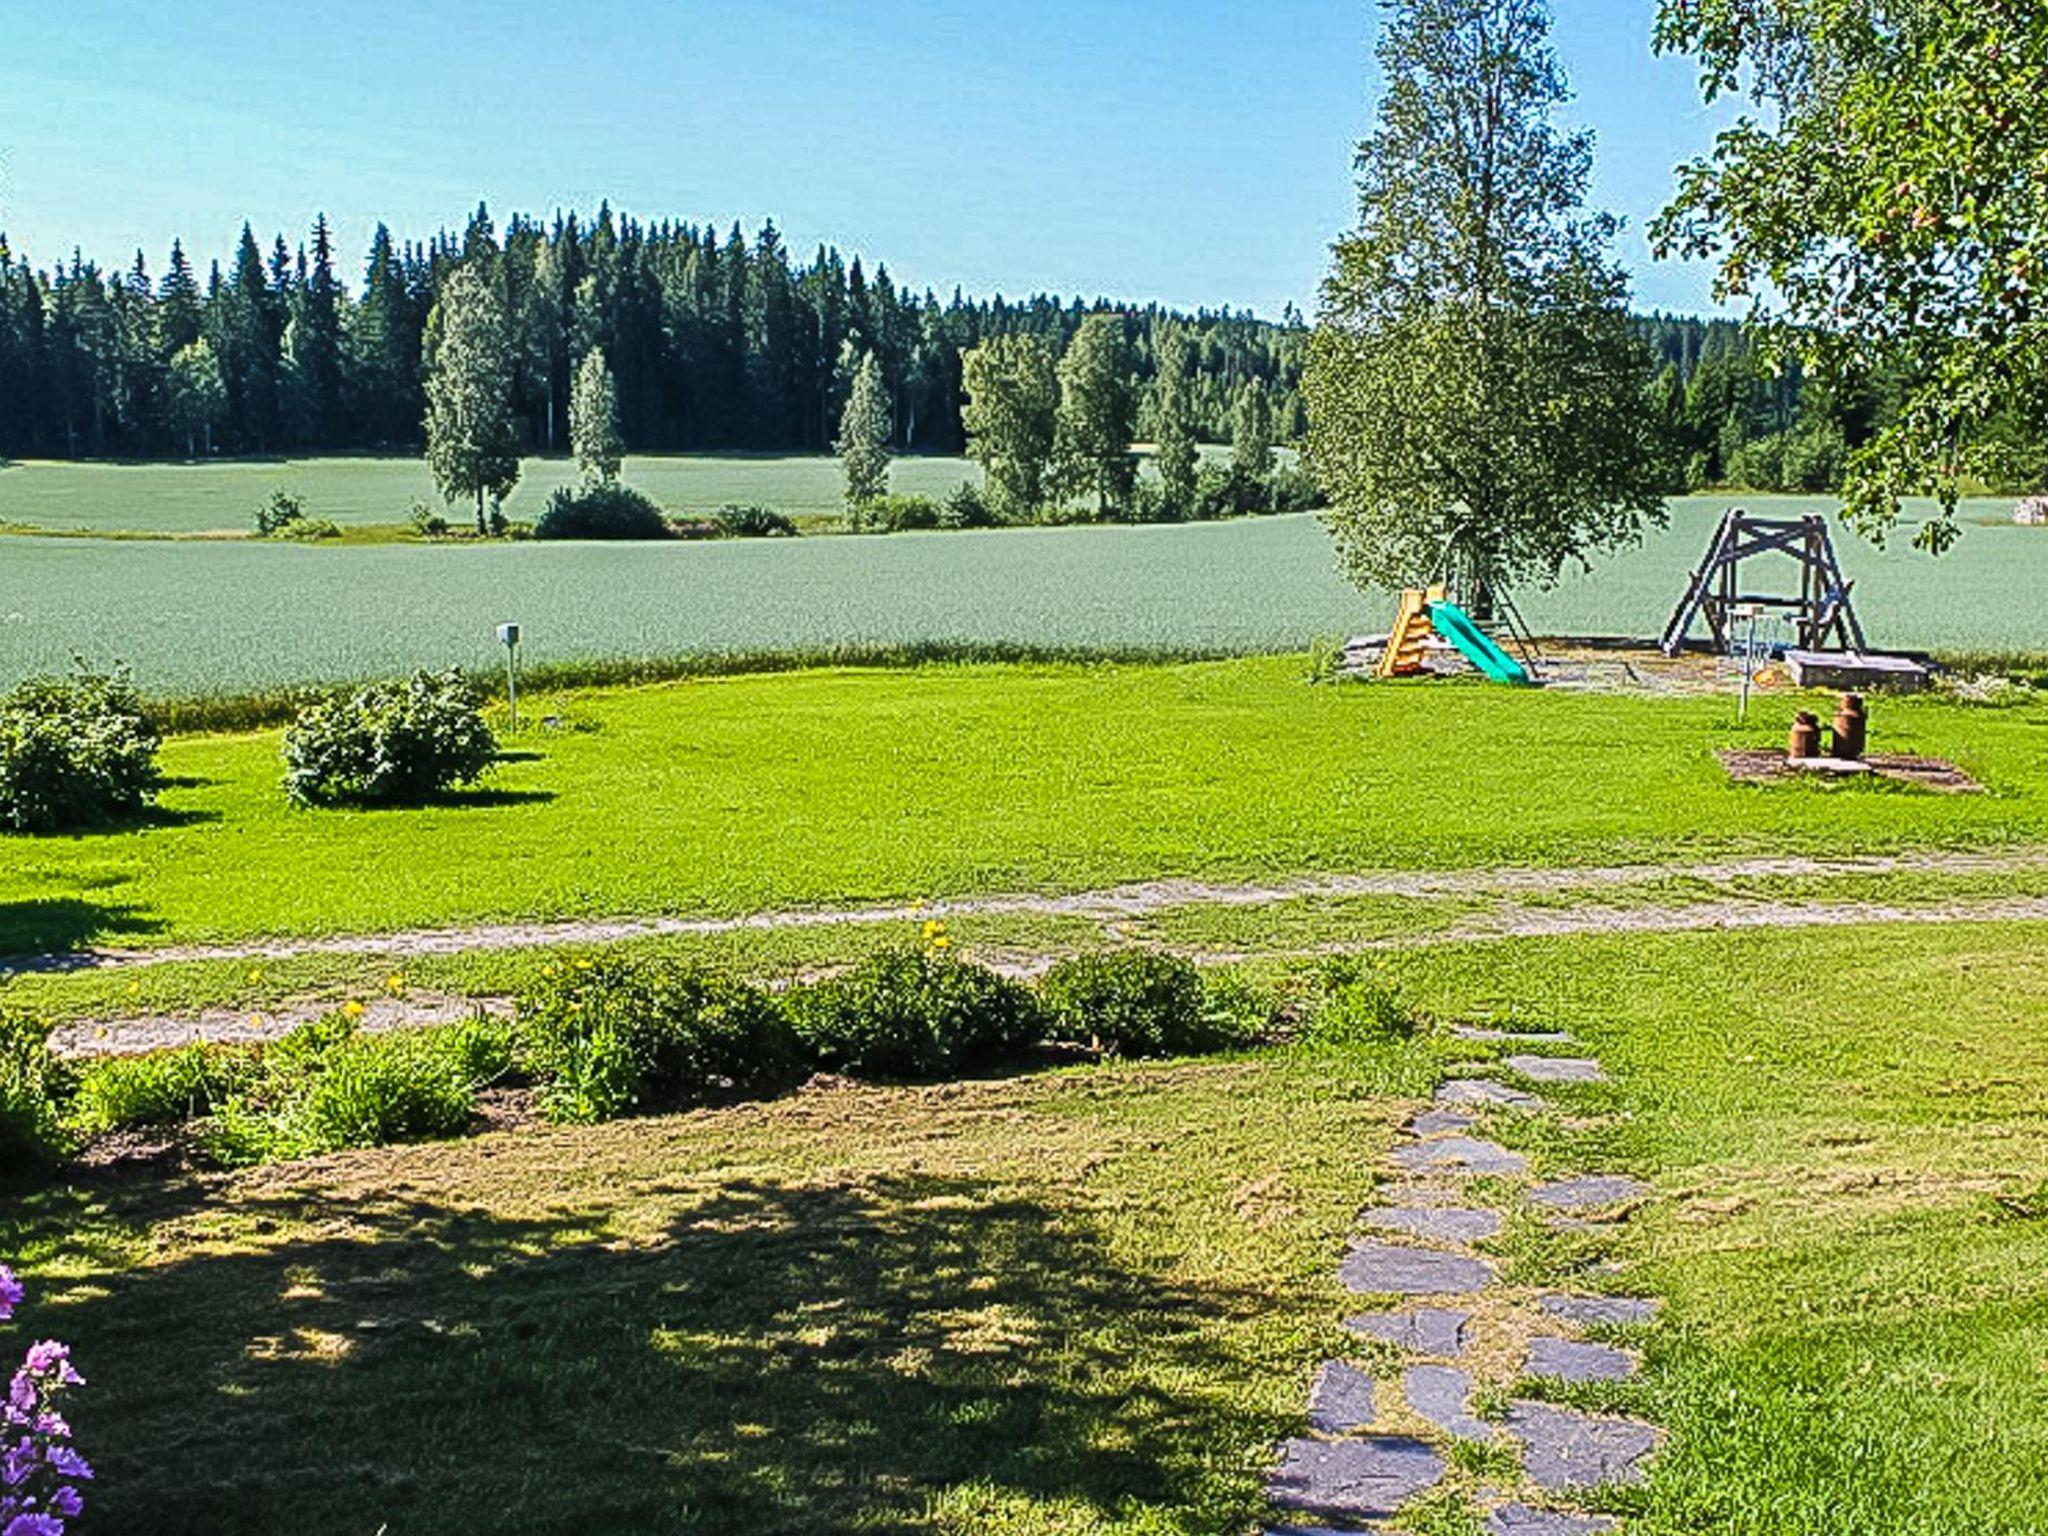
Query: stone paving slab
point(1385, 1269)
point(1449, 1224)
point(1440, 1122)
point(1426, 1330)
point(1588, 1192)
point(1364, 1479)
point(1598, 1311)
point(1522, 1520)
point(1569, 1360)
point(1511, 1036)
point(1340, 1402)
point(1562, 1448)
point(1483, 1093)
point(1557, 1069)
point(1442, 1394)
point(1460, 1154)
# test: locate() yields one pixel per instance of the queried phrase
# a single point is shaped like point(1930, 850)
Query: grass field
point(824, 788)
point(1087, 1303)
point(201, 618)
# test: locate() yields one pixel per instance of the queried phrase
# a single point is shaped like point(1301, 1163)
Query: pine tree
point(471, 447)
point(864, 434)
point(594, 420)
point(1098, 415)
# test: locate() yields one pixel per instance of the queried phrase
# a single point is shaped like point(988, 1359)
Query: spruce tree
point(863, 443)
point(470, 443)
point(594, 420)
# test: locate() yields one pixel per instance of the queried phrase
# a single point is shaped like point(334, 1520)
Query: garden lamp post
point(508, 637)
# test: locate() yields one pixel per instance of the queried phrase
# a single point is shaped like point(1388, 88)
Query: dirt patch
point(228, 1026)
point(1766, 767)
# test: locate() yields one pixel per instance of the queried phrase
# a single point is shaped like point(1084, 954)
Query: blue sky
point(1195, 152)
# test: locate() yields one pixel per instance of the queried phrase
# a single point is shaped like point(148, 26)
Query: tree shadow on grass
point(775, 1358)
point(53, 929)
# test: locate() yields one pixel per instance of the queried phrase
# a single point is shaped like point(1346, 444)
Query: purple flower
point(49, 1358)
point(34, 1525)
point(67, 1501)
point(66, 1462)
point(11, 1293)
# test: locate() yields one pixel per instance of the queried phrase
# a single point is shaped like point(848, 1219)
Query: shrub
point(428, 523)
point(1293, 489)
point(311, 529)
point(325, 1087)
point(281, 514)
point(600, 512)
point(389, 743)
point(967, 507)
point(75, 752)
point(1131, 1002)
point(753, 523)
point(32, 1082)
point(161, 1088)
point(1237, 1011)
point(896, 514)
point(915, 1014)
point(605, 1038)
point(1357, 1006)
point(42, 1472)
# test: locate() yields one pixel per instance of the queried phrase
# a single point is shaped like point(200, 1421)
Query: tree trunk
point(482, 528)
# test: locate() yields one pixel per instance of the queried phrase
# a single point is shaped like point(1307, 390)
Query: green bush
point(1293, 489)
point(75, 752)
point(915, 1014)
point(312, 529)
point(161, 1088)
point(325, 1087)
point(605, 1038)
point(609, 511)
point(389, 743)
point(753, 523)
point(1237, 1011)
point(281, 514)
point(1131, 1002)
point(428, 523)
point(32, 1084)
point(896, 514)
point(967, 507)
point(1356, 1005)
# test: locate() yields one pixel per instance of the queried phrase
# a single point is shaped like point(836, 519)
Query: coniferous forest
point(717, 342)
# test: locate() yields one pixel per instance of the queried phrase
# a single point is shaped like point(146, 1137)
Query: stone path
point(1376, 1442)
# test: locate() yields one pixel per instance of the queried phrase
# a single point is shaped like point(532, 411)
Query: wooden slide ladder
point(1412, 633)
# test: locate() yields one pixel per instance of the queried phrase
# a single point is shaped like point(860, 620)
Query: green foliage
point(197, 396)
point(865, 431)
point(914, 1014)
point(1251, 434)
point(1357, 1004)
point(1097, 416)
point(75, 752)
point(1013, 397)
point(1477, 393)
point(604, 510)
point(1173, 425)
point(594, 420)
point(966, 507)
point(471, 445)
point(752, 522)
point(427, 523)
point(280, 514)
point(899, 514)
point(389, 743)
point(326, 1087)
point(1133, 1002)
point(1882, 209)
point(32, 1082)
point(605, 1038)
point(156, 1089)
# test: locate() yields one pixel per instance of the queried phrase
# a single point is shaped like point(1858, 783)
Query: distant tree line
point(714, 342)
point(1730, 415)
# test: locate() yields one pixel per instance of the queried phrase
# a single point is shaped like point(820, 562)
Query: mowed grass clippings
point(840, 788)
point(1846, 1138)
point(1083, 1302)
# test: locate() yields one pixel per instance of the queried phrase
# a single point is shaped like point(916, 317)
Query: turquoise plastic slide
point(1456, 626)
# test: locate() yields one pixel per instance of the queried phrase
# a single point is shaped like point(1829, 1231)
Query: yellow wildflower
point(352, 1008)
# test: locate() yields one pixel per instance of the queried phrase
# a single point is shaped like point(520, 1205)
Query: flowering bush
point(908, 1013)
point(32, 1081)
point(389, 743)
point(40, 1472)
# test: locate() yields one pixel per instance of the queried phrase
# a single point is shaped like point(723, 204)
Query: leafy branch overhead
point(1883, 206)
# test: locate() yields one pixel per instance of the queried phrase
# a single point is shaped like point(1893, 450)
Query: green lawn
point(754, 793)
point(1087, 1303)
